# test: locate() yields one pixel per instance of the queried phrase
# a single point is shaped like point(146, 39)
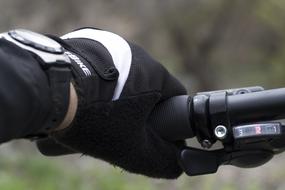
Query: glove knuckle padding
point(101, 84)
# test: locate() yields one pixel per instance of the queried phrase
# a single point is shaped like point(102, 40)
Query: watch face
point(36, 40)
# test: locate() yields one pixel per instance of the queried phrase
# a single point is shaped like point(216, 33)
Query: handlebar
point(243, 119)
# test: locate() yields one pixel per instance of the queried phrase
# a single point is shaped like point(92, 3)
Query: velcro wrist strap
point(59, 78)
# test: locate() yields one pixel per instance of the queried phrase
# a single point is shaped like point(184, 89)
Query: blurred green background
point(207, 44)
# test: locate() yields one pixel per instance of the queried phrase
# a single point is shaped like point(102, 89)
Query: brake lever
point(200, 162)
point(253, 145)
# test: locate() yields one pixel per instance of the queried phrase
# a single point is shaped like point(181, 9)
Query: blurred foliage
point(207, 44)
point(23, 168)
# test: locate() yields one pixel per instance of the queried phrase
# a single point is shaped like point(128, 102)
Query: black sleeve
point(24, 93)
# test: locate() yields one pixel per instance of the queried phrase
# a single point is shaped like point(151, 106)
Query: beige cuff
point(71, 112)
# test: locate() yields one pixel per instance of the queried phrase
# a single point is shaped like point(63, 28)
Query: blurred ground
point(207, 44)
point(23, 168)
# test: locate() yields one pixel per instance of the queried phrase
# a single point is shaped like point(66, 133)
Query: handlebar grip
point(174, 118)
point(257, 106)
point(171, 118)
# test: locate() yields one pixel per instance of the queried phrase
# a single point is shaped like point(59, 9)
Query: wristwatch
point(56, 65)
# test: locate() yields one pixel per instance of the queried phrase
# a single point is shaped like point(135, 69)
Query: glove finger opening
point(49, 147)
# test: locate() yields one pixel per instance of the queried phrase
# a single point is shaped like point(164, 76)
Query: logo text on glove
point(75, 58)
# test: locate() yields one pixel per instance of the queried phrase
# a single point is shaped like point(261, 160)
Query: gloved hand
point(118, 85)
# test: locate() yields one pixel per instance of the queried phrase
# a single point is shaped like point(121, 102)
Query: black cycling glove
point(118, 85)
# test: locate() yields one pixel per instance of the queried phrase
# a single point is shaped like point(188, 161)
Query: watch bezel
point(16, 35)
